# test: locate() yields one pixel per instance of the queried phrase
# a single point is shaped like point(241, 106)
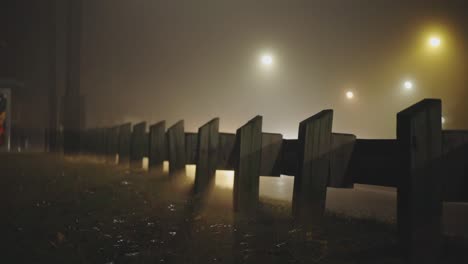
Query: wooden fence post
point(247, 171)
point(102, 145)
point(419, 134)
point(95, 142)
point(124, 143)
point(138, 145)
point(207, 156)
point(157, 146)
point(176, 147)
point(310, 183)
point(112, 144)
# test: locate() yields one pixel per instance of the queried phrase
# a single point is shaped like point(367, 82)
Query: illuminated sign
point(5, 119)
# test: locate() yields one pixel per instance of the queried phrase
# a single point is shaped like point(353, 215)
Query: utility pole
point(52, 135)
point(72, 99)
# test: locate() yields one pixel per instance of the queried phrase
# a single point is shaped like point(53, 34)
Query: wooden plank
point(190, 148)
point(94, 141)
point(419, 134)
point(157, 146)
point(310, 184)
point(226, 155)
point(176, 147)
point(247, 172)
point(102, 141)
point(207, 156)
point(112, 143)
point(455, 165)
point(289, 157)
point(138, 144)
point(375, 162)
point(271, 154)
point(453, 139)
point(341, 150)
point(125, 131)
point(85, 141)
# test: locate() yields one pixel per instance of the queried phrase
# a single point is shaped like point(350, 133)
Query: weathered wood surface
point(112, 143)
point(93, 141)
point(289, 157)
point(157, 146)
point(191, 148)
point(419, 134)
point(176, 147)
point(375, 162)
point(271, 154)
point(226, 157)
point(125, 131)
point(455, 165)
point(146, 145)
point(207, 156)
point(310, 184)
point(86, 141)
point(247, 173)
point(138, 144)
point(342, 146)
point(102, 141)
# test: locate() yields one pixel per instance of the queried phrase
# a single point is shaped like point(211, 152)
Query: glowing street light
point(408, 85)
point(434, 41)
point(349, 95)
point(266, 60)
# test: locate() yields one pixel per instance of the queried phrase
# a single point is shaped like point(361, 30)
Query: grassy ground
point(57, 210)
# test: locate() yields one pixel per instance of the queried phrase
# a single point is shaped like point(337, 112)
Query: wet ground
point(58, 210)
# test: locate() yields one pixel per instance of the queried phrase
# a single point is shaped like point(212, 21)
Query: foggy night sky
point(152, 60)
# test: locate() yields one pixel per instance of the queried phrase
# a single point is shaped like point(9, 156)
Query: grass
point(76, 210)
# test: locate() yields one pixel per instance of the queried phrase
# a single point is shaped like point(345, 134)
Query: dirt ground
point(77, 210)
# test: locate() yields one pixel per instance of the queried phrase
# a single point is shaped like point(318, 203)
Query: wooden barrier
point(93, 135)
point(102, 142)
point(310, 183)
point(342, 146)
point(138, 145)
point(289, 157)
point(246, 177)
point(125, 131)
point(455, 165)
point(176, 147)
point(413, 163)
point(419, 134)
point(226, 156)
point(270, 164)
point(207, 156)
point(112, 143)
point(191, 148)
point(157, 146)
point(375, 162)
point(85, 142)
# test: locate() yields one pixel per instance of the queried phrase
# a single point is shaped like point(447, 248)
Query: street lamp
point(266, 60)
point(408, 85)
point(349, 95)
point(435, 41)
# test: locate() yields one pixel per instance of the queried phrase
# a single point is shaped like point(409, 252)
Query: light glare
point(266, 60)
point(349, 95)
point(408, 85)
point(434, 42)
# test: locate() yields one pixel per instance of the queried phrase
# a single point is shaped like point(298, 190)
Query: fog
point(171, 60)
